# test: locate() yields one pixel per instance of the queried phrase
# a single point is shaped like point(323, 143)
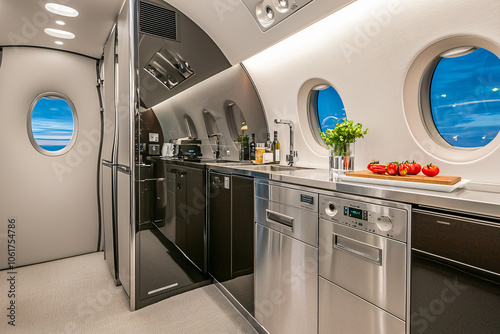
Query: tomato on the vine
point(430, 170)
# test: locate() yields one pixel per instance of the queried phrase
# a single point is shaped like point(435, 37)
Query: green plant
point(344, 133)
point(242, 137)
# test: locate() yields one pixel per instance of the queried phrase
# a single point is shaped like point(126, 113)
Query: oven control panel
point(382, 220)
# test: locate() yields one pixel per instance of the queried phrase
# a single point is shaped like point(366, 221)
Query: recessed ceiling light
point(59, 33)
point(61, 10)
point(61, 23)
point(59, 42)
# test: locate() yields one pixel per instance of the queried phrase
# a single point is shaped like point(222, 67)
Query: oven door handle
point(358, 248)
point(279, 218)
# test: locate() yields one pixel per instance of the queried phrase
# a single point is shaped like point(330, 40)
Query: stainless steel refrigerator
point(117, 151)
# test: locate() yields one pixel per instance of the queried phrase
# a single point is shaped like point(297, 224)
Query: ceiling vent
point(157, 21)
point(268, 13)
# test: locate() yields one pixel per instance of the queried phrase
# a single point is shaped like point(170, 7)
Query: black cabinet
point(220, 226)
point(231, 217)
point(242, 219)
point(171, 246)
point(189, 206)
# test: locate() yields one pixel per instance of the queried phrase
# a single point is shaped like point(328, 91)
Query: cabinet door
point(242, 215)
point(220, 227)
point(195, 217)
point(268, 295)
point(180, 209)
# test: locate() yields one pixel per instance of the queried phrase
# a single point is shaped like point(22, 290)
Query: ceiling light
point(59, 33)
point(59, 42)
point(269, 13)
point(61, 10)
point(495, 89)
point(444, 95)
point(61, 23)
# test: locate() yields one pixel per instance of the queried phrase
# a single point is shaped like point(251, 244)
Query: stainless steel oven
point(455, 273)
point(363, 266)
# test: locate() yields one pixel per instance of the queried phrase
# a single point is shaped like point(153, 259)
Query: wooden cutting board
point(438, 179)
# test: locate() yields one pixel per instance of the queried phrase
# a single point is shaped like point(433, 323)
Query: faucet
point(217, 152)
point(289, 157)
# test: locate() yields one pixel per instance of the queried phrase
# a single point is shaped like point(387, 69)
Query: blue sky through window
point(465, 98)
point(52, 123)
point(330, 108)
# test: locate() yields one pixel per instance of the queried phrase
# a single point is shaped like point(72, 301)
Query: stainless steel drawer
point(287, 195)
point(292, 221)
point(286, 283)
point(370, 266)
point(342, 312)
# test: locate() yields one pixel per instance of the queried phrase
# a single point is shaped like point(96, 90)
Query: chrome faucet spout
point(218, 151)
point(293, 154)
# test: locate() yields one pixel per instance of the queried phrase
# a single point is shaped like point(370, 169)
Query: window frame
point(75, 124)
point(210, 122)
point(412, 102)
point(191, 127)
point(425, 106)
point(231, 108)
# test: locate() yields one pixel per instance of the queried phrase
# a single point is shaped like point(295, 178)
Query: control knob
point(384, 223)
point(330, 209)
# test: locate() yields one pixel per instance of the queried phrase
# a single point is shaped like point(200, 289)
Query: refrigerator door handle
point(124, 169)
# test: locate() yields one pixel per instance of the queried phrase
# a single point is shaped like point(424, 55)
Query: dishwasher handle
point(279, 218)
point(358, 248)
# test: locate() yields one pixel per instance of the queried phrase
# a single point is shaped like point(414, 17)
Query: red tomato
point(416, 168)
point(413, 167)
point(392, 168)
point(430, 170)
point(403, 169)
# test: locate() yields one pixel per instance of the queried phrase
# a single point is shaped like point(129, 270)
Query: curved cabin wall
point(53, 198)
point(212, 95)
point(364, 51)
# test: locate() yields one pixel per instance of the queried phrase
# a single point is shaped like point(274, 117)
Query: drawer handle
point(443, 222)
point(358, 248)
point(279, 218)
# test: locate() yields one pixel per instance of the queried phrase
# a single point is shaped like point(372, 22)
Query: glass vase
point(342, 158)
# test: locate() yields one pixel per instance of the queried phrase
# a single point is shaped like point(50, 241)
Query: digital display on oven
point(356, 213)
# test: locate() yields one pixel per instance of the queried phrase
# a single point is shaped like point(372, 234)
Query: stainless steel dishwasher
point(286, 258)
point(363, 265)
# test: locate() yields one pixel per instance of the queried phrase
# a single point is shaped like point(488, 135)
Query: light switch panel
point(154, 137)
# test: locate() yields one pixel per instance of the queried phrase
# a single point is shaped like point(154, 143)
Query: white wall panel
point(54, 198)
point(364, 51)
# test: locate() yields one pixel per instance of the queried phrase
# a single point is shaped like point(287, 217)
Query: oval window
point(52, 124)
point(190, 126)
point(464, 97)
point(235, 119)
point(326, 109)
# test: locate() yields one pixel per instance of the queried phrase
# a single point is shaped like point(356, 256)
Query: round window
point(462, 106)
point(52, 124)
point(326, 109)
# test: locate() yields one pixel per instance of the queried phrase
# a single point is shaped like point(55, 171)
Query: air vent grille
point(157, 21)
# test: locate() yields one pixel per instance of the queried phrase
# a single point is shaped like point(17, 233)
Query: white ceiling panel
point(22, 23)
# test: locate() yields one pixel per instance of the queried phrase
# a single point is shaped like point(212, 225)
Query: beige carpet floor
point(77, 295)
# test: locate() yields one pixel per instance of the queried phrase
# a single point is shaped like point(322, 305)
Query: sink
point(228, 162)
point(275, 168)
